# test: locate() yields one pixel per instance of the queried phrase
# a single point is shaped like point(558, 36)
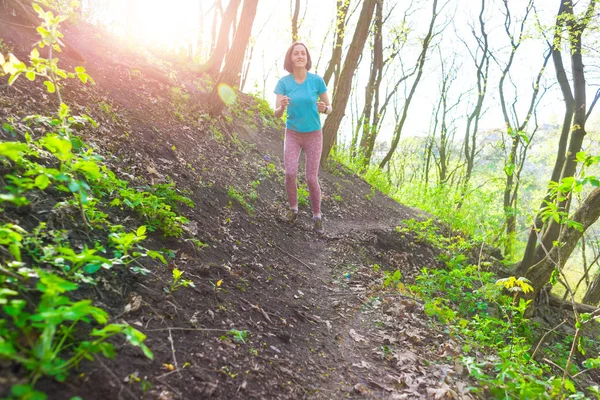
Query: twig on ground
point(173, 351)
point(259, 309)
point(116, 378)
point(167, 374)
point(285, 252)
point(294, 257)
point(187, 329)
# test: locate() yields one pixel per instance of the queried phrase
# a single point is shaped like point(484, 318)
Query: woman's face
point(299, 56)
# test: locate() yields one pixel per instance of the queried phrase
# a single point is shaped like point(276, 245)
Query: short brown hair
point(287, 63)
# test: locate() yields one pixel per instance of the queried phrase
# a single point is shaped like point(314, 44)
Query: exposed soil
point(318, 323)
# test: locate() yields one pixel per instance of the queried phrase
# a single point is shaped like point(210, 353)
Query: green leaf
point(53, 284)
point(26, 392)
point(50, 86)
point(141, 231)
point(13, 150)
point(92, 268)
point(91, 169)
point(155, 255)
point(176, 274)
point(63, 111)
point(570, 386)
point(74, 186)
point(39, 10)
point(592, 363)
point(580, 157)
point(509, 169)
point(42, 182)
point(30, 75)
point(60, 147)
point(13, 78)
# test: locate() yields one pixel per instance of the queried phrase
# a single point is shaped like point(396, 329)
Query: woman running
point(304, 96)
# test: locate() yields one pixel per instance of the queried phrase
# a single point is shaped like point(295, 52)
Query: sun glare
point(177, 24)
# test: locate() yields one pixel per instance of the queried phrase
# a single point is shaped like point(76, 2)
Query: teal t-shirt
point(302, 112)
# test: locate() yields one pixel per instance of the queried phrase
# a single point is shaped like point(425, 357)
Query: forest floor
point(312, 317)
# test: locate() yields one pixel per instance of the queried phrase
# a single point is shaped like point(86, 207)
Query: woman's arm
point(323, 104)
point(281, 104)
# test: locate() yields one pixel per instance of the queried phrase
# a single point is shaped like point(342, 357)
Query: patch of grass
point(239, 197)
point(303, 196)
point(108, 110)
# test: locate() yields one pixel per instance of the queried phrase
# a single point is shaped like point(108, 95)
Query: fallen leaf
point(133, 303)
point(380, 386)
point(363, 364)
point(360, 388)
point(194, 319)
point(443, 392)
point(191, 228)
point(170, 367)
point(166, 395)
point(219, 282)
point(405, 357)
point(152, 170)
point(356, 336)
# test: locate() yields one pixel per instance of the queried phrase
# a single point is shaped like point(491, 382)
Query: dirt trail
point(277, 312)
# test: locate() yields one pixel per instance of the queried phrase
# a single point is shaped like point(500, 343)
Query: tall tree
point(518, 139)
point(213, 65)
point(573, 125)
point(419, 68)
point(481, 59)
point(335, 62)
point(373, 86)
point(231, 73)
point(344, 84)
point(295, 15)
point(213, 32)
point(443, 154)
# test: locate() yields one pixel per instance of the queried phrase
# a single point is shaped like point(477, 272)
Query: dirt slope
point(317, 324)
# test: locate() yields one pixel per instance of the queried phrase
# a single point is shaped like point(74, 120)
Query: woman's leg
point(313, 146)
point(291, 154)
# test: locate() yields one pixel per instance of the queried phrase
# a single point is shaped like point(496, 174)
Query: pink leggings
point(312, 143)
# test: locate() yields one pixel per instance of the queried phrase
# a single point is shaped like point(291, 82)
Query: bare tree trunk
point(295, 21)
point(443, 160)
point(563, 81)
point(246, 65)
point(235, 57)
point(213, 65)
point(371, 109)
point(575, 109)
point(515, 130)
point(592, 295)
point(420, 63)
point(539, 274)
point(213, 32)
point(342, 92)
point(336, 56)
point(482, 64)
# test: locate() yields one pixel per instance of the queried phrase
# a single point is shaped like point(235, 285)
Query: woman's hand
point(281, 104)
point(322, 107)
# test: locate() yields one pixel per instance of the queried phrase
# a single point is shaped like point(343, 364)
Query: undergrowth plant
point(43, 329)
point(439, 200)
point(488, 317)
